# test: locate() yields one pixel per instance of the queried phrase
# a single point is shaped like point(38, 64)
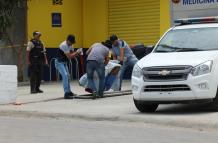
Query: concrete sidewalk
point(52, 91)
point(52, 105)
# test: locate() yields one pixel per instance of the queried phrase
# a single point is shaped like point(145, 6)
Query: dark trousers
point(35, 76)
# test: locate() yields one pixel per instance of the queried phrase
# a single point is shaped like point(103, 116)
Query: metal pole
point(50, 67)
point(70, 68)
point(77, 68)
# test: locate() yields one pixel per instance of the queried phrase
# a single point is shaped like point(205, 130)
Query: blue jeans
point(63, 70)
point(91, 67)
point(118, 83)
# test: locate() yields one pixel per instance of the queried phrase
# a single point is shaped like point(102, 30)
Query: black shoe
point(94, 95)
point(72, 94)
point(33, 92)
point(39, 91)
point(101, 96)
point(69, 95)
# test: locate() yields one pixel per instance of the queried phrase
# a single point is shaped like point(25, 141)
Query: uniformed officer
point(122, 52)
point(36, 57)
point(64, 54)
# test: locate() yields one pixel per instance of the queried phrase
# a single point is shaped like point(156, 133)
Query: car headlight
point(202, 68)
point(137, 71)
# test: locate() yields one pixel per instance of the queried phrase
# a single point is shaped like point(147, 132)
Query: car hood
point(177, 58)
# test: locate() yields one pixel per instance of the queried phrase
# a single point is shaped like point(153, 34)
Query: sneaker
point(94, 94)
point(101, 96)
point(69, 95)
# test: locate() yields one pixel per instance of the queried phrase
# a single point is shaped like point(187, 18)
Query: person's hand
point(121, 63)
point(28, 63)
point(46, 63)
point(79, 51)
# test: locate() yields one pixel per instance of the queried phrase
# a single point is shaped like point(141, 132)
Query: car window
point(189, 39)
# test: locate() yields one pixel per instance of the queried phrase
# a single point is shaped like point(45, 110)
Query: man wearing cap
point(98, 57)
point(36, 57)
point(122, 53)
point(66, 53)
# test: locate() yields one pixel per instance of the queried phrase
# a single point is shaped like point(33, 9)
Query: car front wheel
point(145, 107)
point(214, 104)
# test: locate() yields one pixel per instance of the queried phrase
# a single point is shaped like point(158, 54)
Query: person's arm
point(107, 59)
point(114, 55)
point(122, 50)
point(45, 55)
point(69, 52)
point(28, 57)
point(46, 59)
point(88, 51)
point(72, 55)
point(29, 47)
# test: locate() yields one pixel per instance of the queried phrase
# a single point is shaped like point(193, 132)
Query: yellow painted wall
point(95, 21)
point(136, 21)
point(164, 16)
point(87, 19)
point(39, 18)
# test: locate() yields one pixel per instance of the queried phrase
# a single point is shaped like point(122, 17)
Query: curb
point(84, 96)
point(113, 118)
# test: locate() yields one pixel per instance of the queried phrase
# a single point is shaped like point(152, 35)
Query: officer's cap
point(36, 33)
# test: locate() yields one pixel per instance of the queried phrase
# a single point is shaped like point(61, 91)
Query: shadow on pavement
point(186, 109)
point(182, 109)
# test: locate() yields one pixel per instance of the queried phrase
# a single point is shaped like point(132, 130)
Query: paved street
point(22, 130)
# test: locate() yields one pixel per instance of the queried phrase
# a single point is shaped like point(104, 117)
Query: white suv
point(182, 68)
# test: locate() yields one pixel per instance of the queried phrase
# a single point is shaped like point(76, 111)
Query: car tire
point(214, 103)
point(145, 107)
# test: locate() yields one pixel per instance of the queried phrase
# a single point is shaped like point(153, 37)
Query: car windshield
point(186, 40)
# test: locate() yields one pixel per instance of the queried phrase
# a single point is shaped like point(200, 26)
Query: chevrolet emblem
point(164, 72)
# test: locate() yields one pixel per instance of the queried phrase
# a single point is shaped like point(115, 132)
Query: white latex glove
point(80, 51)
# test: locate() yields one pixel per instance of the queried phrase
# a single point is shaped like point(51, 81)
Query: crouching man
point(98, 57)
point(123, 53)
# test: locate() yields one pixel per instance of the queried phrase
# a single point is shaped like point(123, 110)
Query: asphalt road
point(32, 130)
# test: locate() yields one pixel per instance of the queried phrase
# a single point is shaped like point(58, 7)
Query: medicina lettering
point(194, 2)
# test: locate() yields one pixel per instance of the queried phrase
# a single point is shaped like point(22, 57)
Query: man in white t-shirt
point(66, 53)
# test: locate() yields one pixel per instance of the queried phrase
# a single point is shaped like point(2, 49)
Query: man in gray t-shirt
point(98, 57)
point(98, 52)
point(122, 53)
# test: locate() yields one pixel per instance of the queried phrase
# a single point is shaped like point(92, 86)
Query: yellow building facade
point(136, 21)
